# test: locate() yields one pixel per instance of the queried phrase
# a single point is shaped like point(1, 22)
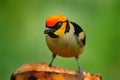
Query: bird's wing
point(79, 33)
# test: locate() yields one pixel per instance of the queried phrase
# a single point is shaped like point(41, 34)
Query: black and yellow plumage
point(64, 38)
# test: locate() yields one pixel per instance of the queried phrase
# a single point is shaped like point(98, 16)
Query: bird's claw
point(81, 75)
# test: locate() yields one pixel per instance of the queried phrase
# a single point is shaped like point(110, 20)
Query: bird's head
point(56, 26)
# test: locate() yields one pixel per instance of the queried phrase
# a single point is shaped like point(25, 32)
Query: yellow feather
point(61, 31)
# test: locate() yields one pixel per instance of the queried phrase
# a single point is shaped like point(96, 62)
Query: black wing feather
point(78, 29)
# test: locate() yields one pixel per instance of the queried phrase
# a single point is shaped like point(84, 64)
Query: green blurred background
point(22, 23)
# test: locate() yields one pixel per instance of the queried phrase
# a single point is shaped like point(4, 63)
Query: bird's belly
point(66, 51)
point(64, 48)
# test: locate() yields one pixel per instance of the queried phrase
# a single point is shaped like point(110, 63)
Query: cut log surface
point(41, 71)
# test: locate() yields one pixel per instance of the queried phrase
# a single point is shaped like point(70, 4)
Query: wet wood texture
point(41, 71)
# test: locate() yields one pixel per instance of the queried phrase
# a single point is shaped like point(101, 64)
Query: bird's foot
point(81, 75)
point(50, 65)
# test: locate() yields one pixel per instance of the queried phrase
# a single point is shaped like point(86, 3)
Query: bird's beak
point(48, 30)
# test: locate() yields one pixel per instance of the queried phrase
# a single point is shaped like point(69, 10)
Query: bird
point(64, 38)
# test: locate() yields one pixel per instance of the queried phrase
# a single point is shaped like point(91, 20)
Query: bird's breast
point(64, 46)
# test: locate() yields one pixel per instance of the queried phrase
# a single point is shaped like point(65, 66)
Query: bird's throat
point(53, 35)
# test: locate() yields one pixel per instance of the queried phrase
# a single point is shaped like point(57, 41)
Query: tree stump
point(41, 71)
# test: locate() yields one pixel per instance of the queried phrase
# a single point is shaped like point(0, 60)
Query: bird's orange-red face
point(52, 20)
point(56, 25)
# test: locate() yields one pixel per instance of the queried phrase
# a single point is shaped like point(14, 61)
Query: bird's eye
point(58, 25)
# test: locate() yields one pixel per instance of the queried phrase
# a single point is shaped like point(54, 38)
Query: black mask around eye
point(58, 25)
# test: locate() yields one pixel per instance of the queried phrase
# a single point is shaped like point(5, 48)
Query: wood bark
point(41, 71)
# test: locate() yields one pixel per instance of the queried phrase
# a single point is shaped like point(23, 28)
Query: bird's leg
point(53, 57)
point(78, 64)
point(79, 69)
